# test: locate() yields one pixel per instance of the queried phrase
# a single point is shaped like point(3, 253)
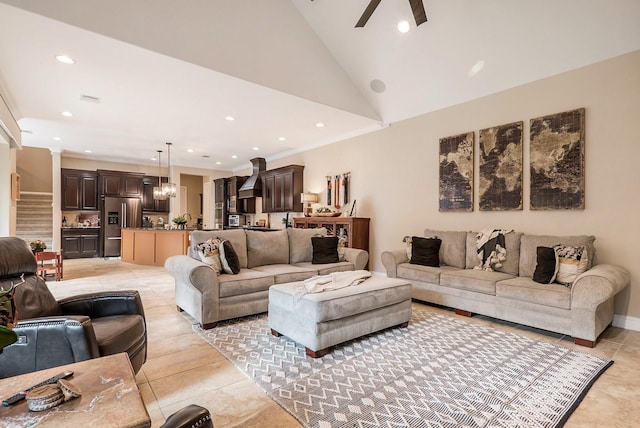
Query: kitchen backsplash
point(75, 219)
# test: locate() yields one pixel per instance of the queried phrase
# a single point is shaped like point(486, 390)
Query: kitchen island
point(152, 246)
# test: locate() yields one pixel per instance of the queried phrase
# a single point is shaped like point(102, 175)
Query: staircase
point(34, 217)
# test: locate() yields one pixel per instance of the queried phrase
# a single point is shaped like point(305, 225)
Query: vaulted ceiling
point(152, 71)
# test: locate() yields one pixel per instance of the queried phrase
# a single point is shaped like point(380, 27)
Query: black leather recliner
point(53, 333)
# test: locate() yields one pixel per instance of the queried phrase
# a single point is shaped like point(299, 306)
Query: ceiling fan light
point(404, 26)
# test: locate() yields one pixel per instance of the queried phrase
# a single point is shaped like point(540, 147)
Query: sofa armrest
point(189, 271)
point(391, 260)
point(103, 304)
point(49, 342)
point(597, 285)
point(358, 257)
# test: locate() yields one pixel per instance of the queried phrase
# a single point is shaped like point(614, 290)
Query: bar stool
point(49, 263)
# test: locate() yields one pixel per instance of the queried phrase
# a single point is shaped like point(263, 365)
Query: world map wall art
point(556, 153)
point(456, 172)
point(500, 175)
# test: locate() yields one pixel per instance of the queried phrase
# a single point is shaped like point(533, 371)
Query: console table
point(110, 397)
point(356, 229)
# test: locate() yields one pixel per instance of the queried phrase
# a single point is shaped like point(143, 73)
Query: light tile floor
point(182, 369)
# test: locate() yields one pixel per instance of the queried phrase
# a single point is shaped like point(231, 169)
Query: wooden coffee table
point(110, 397)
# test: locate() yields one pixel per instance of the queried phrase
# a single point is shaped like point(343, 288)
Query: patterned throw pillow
point(209, 253)
point(407, 243)
point(572, 261)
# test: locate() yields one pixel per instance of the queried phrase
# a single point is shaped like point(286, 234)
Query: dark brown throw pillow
point(425, 251)
point(325, 250)
point(229, 258)
point(546, 265)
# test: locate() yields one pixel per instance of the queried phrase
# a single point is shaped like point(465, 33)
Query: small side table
point(110, 397)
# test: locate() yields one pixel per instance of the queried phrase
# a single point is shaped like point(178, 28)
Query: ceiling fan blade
point(418, 11)
point(367, 13)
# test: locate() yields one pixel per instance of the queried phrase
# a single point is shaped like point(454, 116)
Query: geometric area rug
point(440, 371)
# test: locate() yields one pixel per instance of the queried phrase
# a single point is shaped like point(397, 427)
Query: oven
point(236, 220)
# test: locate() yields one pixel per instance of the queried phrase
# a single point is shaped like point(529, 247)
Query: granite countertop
point(79, 227)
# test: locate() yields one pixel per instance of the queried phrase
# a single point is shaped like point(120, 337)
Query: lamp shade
point(309, 197)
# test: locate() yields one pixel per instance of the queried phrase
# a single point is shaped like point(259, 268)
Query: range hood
point(253, 186)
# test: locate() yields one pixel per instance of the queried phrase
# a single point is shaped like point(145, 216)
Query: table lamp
point(308, 198)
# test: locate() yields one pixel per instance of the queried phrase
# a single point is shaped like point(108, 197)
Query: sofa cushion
point(245, 282)
point(300, 248)
point(512, 243)
point(325, 249)
point(287, 273)
point(530, 243)
point(527, 290)
point(473, 280)
point(267, 248)
point(453, 248)
point(237, 237)
point(327, 268)
point(229, 258)
point(419, 273)
point(546, 265)
point(424, 251)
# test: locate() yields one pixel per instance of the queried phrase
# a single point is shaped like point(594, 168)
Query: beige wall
point(34, 166)
point(395, 171)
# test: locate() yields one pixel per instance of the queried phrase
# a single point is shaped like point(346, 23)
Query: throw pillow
point(229, 258)
point(572, 261)
point(209, 253)
point(546, 265)
point(407, 243)
point(425, 251)
point(325, 250)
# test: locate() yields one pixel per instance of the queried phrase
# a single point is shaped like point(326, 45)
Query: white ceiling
point(171, 71)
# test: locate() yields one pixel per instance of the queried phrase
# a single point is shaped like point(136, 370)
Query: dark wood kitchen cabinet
point(117, 183)
point(281, 189)
point(79, 190)
point(80, 242)
point(148, 203)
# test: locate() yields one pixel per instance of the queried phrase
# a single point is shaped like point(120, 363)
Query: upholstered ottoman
point(321, 320)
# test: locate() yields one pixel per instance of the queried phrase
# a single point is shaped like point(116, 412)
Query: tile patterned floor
point(182, 369)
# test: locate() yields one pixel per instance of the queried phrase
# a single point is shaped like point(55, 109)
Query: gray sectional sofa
point(582, 310)
point(265, 258)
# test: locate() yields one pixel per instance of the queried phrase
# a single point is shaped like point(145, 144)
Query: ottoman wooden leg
point(463, 313)
point(275, 333)
point(207, 326)
point(318, 353)
point(404, 324)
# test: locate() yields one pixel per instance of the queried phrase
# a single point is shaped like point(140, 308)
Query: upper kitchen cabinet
point(79, 190)
point(148, 203)
point(281, 189)
point(117, 183)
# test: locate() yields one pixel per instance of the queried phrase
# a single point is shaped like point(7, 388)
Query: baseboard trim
point(627, 322)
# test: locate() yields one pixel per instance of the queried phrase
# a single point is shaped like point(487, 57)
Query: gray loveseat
point(266, 258)
point(582, 311)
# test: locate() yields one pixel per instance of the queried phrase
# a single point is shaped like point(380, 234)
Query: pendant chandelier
point(158, 191)
point(169, 189)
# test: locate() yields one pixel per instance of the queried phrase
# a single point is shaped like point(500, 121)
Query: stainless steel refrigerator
point(116, 214)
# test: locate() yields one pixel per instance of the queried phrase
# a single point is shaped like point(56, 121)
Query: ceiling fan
point(416, 7)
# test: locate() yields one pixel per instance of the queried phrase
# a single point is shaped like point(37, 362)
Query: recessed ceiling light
point(320, 125)
point(65, 59)
point(377, 86)
point(477, 67)
point(230, 118)
point(218, 163)
point(190, 150)
point(206, 156)
point(234, 156)
point(88, 151)
point(57, 139)
point(67, 114)
point(404, 26)
point(281, 139)
point(256, 148)
point(154, 158)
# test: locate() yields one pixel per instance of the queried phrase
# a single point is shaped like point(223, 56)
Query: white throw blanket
point(491, 248)
point(332, 281)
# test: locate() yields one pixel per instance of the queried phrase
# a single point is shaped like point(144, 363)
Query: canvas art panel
point(500, 170)
point(557, 161)
point(456, 172)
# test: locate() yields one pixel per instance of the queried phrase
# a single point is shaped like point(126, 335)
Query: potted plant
point(180, 221)
point(8, 316)
point(38, 246)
